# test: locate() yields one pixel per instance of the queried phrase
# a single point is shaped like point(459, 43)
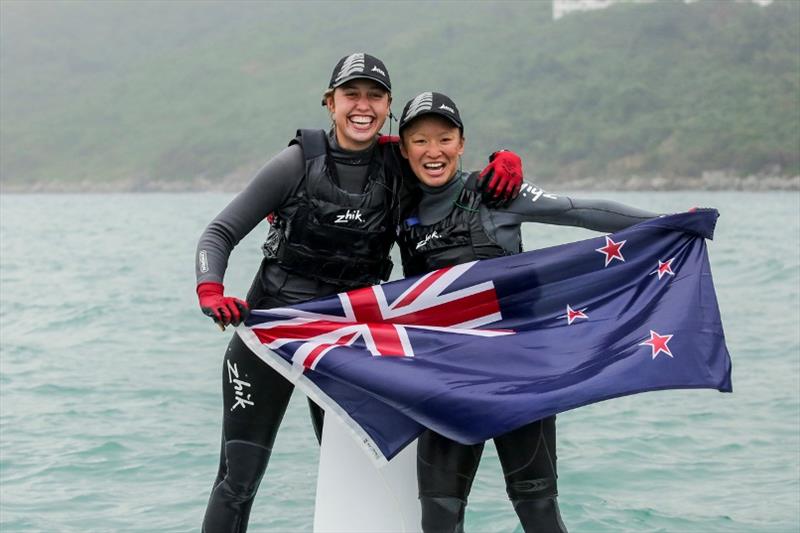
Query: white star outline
point(576, 314)
point(609, 256)
point(661, 264)
point(650, 342)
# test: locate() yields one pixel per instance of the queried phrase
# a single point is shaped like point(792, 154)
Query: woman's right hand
point(223, 309)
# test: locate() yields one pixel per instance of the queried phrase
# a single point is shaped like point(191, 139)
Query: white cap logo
point(353, 64)
point(422, 102)
point(447, 108)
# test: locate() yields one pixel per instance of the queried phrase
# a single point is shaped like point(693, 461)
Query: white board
point(355, 496)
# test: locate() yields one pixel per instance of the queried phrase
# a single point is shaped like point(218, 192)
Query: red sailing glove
point(223, 309)
point(501, 179)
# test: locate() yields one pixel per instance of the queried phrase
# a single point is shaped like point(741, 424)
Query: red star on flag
point(658, 343)
point(572, 314)
point(612, 250)
point(664, 268)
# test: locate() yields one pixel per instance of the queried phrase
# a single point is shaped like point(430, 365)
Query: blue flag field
point(476, 350)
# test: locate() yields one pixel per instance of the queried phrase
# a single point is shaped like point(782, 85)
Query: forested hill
point(202, 93)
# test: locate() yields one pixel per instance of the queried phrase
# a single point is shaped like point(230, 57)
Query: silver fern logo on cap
point(422, 102)
point(352, 65)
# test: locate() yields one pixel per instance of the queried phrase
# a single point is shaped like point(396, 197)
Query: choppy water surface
point(110, 403)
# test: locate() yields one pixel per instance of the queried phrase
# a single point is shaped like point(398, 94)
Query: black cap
point(431, 103)
point(357, 66)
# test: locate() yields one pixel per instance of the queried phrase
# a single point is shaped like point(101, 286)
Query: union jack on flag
point(478, 349)
point(383, 325)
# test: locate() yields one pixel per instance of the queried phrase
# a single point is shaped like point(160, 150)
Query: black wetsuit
point(527, 454)
point(255, 396)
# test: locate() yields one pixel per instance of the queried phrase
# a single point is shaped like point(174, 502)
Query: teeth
point(434, 166)
point(363, 121)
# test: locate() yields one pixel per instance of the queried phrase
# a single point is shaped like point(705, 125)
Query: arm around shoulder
point(534, 204)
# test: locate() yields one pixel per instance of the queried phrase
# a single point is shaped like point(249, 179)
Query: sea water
point(110, 383)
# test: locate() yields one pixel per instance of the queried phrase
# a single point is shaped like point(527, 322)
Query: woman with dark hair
point(450, 225)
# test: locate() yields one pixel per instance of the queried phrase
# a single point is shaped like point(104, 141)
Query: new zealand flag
point(475, 350)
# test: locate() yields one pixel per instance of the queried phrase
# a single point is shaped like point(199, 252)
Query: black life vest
point(327, 233)
point(458, 238)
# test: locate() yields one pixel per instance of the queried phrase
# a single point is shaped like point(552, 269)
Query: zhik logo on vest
point(353, 215)
point(428, 238)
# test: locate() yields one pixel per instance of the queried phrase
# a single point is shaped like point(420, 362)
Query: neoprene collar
point(437, 202)
point(349, 157)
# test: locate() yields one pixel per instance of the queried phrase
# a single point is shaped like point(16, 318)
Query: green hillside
point(175, 91)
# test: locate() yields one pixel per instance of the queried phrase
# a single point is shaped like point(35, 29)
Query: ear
point(330, 104)
point(461, 148)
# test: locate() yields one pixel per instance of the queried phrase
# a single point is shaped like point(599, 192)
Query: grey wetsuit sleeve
point(535, 205)
point(268, 190)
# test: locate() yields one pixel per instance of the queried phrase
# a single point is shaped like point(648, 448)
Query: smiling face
point(432, 145)
point(358, 108)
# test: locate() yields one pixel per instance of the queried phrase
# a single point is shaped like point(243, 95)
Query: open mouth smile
point(434, 169)
point(361, 122)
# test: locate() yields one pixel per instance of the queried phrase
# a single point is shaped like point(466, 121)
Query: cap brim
point(361, 77)
point(450, 118)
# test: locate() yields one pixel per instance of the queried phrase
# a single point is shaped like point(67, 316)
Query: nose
point(363, 102)
point(434, 149)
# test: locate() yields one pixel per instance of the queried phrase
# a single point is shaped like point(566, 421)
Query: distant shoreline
point(709, 181)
